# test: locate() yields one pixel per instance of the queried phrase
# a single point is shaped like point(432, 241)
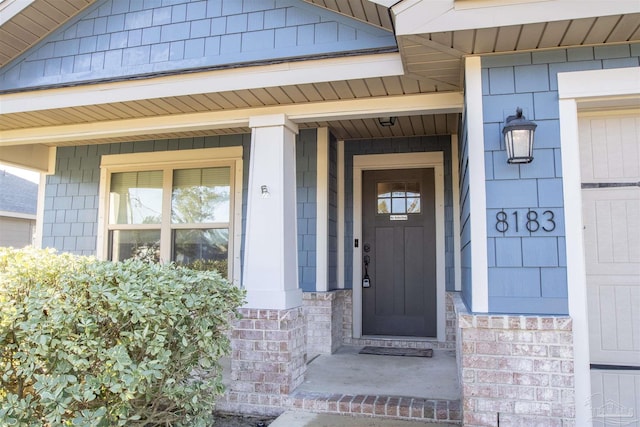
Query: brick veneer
point(268, 361)
point(516, 370)
point(324, 313)
point(417, 409)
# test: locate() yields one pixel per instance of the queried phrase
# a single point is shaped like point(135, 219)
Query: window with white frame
point(173, 206)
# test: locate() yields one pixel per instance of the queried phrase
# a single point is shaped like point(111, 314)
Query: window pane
point(136, 198)
point(398, 189)
point(413, 189)
point(384, 189)
point(398, 197)
point(384, 206)
point(201, 195)
point(413, 205)
point(140, 244)
point(398, 206)
point(202, 249)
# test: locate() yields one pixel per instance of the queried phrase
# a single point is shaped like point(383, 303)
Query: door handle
point(366, 280)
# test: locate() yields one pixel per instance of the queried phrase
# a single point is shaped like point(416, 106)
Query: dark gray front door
point(399, 252)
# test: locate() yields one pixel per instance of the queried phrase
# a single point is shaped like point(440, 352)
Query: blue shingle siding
point(121, 38)
point(465, 213)
point(527, 269)
point(306, 176)
point(71, 195)
point(399, 145)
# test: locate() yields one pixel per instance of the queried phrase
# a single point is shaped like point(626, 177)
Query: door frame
point(580, 91)
point(423, 160)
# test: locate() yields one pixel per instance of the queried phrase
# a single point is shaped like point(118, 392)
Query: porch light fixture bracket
point(518, 138)
point(387, 121)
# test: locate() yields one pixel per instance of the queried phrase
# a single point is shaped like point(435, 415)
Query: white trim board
point(274, 75)
point(477, 187)
point(582, 90)
point(428, 16)
point(322, 210)
point(431, 103)
point(433, 160)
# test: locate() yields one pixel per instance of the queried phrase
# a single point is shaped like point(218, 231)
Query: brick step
point(418, 409)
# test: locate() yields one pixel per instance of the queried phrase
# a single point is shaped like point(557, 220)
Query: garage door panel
point(614, 398)
point(609, 148)
point(631, 148)
point(612, 230)
point(614, 335)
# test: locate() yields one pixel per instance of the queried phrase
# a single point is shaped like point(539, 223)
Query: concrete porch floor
point(412, 389)
point(349, 373)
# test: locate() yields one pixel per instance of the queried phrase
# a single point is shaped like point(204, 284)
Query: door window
point(398, 197)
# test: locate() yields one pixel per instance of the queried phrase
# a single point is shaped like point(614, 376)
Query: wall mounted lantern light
point(387, 121)
point(518, 138)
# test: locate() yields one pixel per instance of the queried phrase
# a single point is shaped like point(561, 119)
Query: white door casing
point(433, 160)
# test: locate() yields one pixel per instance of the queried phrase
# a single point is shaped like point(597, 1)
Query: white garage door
point(610, 166)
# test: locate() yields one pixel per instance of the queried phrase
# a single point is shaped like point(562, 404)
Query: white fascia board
point(432, 103)
point(385, 3)
point(17, 215)
point(258, 77)
point(432, 16)
point(10, 8)
point(37, 158)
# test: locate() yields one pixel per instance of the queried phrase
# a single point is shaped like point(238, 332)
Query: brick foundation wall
point(268, 361)
point(516, 370)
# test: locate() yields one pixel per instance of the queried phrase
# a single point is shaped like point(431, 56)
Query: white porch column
point(271, 253)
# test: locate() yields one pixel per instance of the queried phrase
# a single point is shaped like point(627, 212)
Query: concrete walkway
point(309, 419)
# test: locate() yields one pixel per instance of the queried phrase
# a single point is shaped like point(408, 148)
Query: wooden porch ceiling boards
point(437, 57)
point(361, 10)
point(33, 23)
point(255, 98)
point(409, 126)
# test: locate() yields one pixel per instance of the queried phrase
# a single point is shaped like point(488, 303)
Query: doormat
point(389, 351)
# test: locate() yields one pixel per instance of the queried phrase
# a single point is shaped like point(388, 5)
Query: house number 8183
point(531, 221)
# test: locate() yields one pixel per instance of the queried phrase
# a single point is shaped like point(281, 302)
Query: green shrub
point(95, 343)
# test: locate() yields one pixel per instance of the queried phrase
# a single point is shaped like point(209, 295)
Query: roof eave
point(422, 16)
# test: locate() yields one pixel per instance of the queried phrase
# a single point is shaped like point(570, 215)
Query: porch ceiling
point(436, 57)
point(362, 10)
point(266, 100)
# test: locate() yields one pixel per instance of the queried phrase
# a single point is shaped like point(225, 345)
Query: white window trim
point(580, 91)
point(433, 160)
point(205, 157)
